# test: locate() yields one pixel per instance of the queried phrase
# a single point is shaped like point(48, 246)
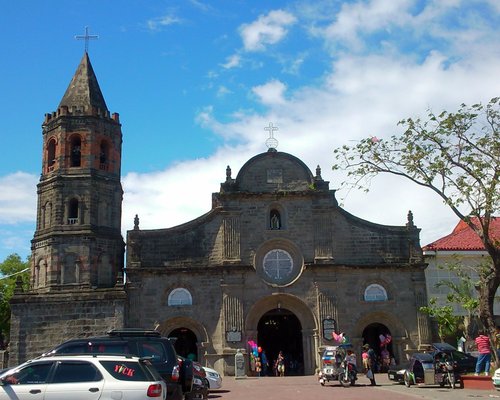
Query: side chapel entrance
point(378, 336)
point(185, 345)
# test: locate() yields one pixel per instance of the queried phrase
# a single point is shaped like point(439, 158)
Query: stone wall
point(40, 322)
point(343, 287)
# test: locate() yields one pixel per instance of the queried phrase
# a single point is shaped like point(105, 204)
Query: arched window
point(375, 292)
point(180, 297)
point(274, 220)
point(104, 156)
point(73, 212)
point(51, 154)
point(76, 152)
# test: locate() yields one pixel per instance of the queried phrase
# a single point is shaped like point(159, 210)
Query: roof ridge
point(464, 238)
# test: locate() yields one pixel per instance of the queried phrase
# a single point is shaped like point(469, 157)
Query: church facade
point(276, 261)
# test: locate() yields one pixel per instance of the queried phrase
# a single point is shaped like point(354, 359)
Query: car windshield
point(154, 350)
point(458, 355)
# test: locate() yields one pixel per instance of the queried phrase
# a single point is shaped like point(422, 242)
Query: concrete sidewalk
point(308, 388)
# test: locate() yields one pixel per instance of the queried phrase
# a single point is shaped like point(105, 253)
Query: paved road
point(308, 388)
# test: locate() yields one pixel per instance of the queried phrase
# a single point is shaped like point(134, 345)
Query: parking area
point(308, 388)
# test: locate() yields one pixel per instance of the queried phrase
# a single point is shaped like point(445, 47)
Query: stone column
point(309, 338)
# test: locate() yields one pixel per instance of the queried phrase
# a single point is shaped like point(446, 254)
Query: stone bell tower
point(78, 242)
point(77, 251)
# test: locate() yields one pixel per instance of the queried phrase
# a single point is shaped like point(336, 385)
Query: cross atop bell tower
point(86, 37)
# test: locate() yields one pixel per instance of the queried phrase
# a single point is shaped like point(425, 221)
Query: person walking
point(484, 348)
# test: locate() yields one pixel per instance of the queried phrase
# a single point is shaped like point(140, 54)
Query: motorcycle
point(349, 375)
point(445, 374)
point(335, 367)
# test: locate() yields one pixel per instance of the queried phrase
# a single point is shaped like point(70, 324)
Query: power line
point(14, 274)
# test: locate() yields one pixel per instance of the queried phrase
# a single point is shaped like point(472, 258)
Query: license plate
point(392, 376)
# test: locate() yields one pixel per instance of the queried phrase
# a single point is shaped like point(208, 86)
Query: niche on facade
point(276, 217)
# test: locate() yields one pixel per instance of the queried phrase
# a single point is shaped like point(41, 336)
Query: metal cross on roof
point(271, 142)
point(86, 37)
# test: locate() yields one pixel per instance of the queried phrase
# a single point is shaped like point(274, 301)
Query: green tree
point(446, 321)
point(456, 155)
point(463, 292)
point(11, 269)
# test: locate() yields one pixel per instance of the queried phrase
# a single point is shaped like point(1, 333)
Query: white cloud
point(222, 91)
point(15, 241)
point(366, 17)
point(266, 30)
point(156, 24)
point(232, 62)
point(293, 67)
point(17, 198)
point(270, 93)
point(177, 194)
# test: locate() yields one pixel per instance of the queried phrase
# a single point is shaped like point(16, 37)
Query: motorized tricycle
point(431, 369)
point(336, 367)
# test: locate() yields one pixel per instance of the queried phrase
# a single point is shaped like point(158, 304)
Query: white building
point(462, 246)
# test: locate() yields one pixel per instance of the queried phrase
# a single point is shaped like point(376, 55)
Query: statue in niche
point(275, 221)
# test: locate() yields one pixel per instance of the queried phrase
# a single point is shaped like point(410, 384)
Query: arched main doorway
point(185, 344)
point(280, 330)
point(375, 335)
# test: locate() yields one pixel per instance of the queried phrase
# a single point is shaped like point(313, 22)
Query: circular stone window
point(278, 265)
point(278, 262)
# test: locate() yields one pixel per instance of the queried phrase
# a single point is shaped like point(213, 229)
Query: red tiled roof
point(463, 238)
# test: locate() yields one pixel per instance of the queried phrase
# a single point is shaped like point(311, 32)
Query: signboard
point(233, 336)
point(329, 326)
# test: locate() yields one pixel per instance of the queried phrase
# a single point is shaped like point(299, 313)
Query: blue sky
point(195, 83)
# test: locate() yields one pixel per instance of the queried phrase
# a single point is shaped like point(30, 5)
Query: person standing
point(258, 365)
point(265, 363)
point(280, 364)
point(371, 360)
point(484, 349)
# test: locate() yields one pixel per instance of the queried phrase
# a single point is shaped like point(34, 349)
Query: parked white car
point(496, 379)
point(89, 377)
point(214, 378)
